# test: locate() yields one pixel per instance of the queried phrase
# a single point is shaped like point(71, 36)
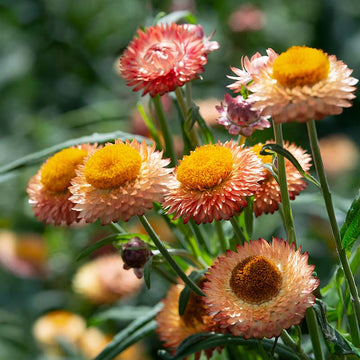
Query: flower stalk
point(314, 143)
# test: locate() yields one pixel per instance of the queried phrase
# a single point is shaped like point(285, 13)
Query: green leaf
point(147, 272)
point(269, 149)
point(41, 155)
point(204, 127)
point(335, 341)
point(135, 331)
point(175, 17)
point(350, 230)
point(202, 341)
point(184, 297)
point(108, 240)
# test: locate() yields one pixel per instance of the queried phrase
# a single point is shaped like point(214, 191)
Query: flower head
point(261, 289)
point(163, 57)
point(198, 31)
point(104, 280)
point(268, 197)
point(135, 254)
point(119, 181)
point(239, 118)
point(174, 328)
point(212, 182)
point(250, 68)
point(48, 190)
point(302, 83)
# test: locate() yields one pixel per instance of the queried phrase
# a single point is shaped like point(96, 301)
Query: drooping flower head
point(104, 280)
point(174, 328)
point(198, 31)
point(119, 181)
point(212, 182)
point(268, 197)
point(163, 58)
point(135, 254)
point(249, 69)
point(238, 117)
point(48, 189)
point(302, 83)
point(261, 289)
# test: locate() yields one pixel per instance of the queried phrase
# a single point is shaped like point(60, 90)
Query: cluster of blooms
point(262, 288)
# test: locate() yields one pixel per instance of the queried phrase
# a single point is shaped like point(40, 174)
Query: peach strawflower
point(250, 68)
point(119, 181)
point(301, 84)
point(247, 17)
point(261, 289)
point(268, 197)
point(213, 181)
point(104, 280)
point(174, 328)
point(162, 58)
point(48, 189)
point(58, 325)
point(239, 118)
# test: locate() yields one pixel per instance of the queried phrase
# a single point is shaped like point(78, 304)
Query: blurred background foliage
point(59, 81)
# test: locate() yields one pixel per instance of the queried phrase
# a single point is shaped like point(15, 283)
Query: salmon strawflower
point(119, 181)
point(300, 84)
point(48, 190)
point(261, 289)
point(104, 280)
point(212, 182)
point(164, 57)
point(268, 197)
point(174, 328)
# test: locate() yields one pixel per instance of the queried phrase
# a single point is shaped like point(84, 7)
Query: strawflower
point(48, 190)
point(174, 328)
point(268, 197)
point(163, 58)
point(239, 118)
point(119, 181)
point(301, 84)
point(212, 182)
point(261, 289)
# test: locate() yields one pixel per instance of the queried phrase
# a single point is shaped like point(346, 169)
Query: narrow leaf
point(175, 17)
point(147, 272)
point(268, 149)
point(133, 329)
point(335, 341)
point(204, 127)
point(41, 155)
point(350, 230)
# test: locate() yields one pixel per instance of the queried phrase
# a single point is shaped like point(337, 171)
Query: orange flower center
point(195, 312)
point(31, 250)
point(58, 170)
point(256, 280)
point(205, 167)
point(60, 318)
point(112, 166)
point(301, 66)
point(161, 56)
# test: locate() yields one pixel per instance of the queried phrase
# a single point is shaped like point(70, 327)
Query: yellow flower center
point(60, 317)
point(256, 280)
point(266, 159)
point(58, 171)
point(112, 166)
point(205, 167)
point(300, 66)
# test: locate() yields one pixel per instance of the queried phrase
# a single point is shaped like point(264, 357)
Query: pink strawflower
point(238, 117)
point(198, 31)
point(249, 69)
point(261, 289)
point(163, 58)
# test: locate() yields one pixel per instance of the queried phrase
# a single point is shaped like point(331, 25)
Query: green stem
point(184, 254)
point(149, 123)
point(117, 228)
point(188, 94)
point(285, 200)
point(314, 333)
point(168, 257)
point(238, 231)
point(288, 340)
point(169, 145)
point(220, 233)
point(314, 143)
point(191, 133)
